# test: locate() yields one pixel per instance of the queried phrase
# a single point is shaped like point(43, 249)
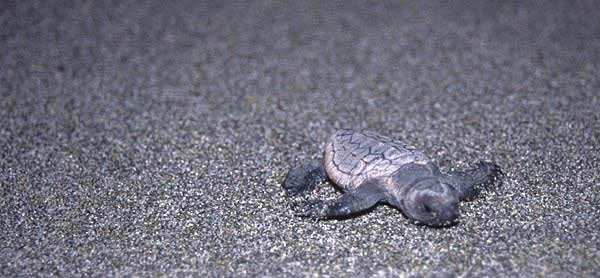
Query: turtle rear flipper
point(303, 178)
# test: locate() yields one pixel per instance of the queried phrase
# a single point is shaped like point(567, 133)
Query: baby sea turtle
point(370, 169)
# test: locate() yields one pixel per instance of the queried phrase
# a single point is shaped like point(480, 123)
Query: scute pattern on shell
point(351, 157)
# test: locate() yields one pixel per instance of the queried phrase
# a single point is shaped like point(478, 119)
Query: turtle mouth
point(434, 218)
point(437, 220)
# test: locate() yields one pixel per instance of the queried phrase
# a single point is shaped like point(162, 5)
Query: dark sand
point(148, 138)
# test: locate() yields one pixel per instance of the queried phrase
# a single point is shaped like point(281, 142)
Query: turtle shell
point(351, 157)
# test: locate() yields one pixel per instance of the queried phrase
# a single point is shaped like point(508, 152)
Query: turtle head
point(432, 203)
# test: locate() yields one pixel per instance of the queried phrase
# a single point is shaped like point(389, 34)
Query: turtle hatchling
point(370, 168)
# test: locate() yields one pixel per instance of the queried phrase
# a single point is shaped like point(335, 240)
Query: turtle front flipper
point(469, 183)
point(362, 198)
point(304, 177)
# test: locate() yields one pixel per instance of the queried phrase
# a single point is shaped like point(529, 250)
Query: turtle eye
point(427, 209)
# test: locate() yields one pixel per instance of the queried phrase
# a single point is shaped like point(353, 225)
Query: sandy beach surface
point(146, 138)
